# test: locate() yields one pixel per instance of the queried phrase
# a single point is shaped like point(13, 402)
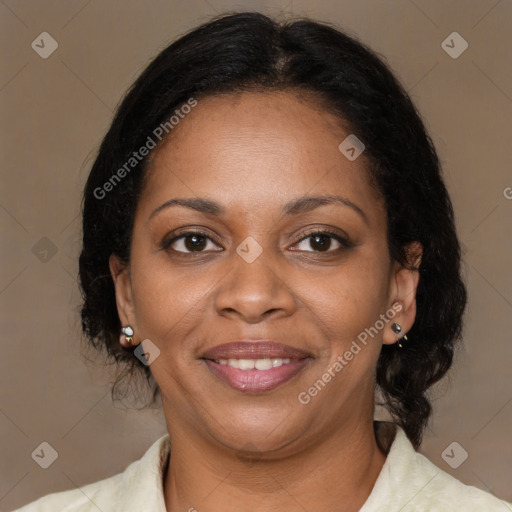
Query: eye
point(189, 242)
point(197, 242)
point(321, 241)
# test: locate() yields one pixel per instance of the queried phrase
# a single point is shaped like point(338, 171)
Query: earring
point(127, 334)
point(397, 328)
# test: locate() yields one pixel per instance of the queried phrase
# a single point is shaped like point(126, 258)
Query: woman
point(268, 239)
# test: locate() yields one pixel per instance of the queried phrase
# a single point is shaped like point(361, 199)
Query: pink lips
point(254, 381)
point(254, 350)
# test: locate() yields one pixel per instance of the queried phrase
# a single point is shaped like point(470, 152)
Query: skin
point(252, 153)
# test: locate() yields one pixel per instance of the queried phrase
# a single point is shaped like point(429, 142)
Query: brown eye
point(189, 242)
point(321, 241)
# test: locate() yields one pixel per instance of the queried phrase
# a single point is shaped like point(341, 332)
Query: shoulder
point(82, 499)
point(137, 487)
point(410, 482)
point(437, 490)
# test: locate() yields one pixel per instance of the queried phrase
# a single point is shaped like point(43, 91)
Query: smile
point(258, 364)
point(256, 375)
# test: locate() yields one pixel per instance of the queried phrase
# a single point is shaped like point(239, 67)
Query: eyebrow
point(296, 206)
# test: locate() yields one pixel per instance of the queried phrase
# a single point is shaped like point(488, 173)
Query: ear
point(120, 272)
point(402, 293)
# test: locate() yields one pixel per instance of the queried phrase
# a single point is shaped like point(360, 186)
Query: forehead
point(253, 148)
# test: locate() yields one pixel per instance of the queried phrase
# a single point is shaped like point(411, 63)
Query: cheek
point(169, 308)
point(351, 297)
point(166, 299)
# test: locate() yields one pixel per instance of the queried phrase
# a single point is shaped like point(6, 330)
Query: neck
point(339, 469)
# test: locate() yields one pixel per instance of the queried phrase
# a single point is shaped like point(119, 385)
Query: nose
point(255, 291)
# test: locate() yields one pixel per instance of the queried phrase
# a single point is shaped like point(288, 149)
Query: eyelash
point(345, 243)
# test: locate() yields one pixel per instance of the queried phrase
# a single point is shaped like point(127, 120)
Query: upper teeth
point(259, 364)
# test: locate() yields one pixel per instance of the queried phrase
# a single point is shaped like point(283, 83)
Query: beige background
point(54, 113)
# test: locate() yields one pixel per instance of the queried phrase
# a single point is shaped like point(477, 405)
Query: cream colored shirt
point(408, 482)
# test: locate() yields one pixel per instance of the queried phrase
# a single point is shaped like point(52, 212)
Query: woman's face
point(254, 272)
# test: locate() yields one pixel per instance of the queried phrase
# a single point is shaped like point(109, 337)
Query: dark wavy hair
point(250, 51)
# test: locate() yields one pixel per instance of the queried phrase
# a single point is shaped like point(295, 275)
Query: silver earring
point(397, 328)
point(127, 333)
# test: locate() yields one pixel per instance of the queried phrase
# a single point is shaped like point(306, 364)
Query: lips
point(276, 364)
point(254, 350)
